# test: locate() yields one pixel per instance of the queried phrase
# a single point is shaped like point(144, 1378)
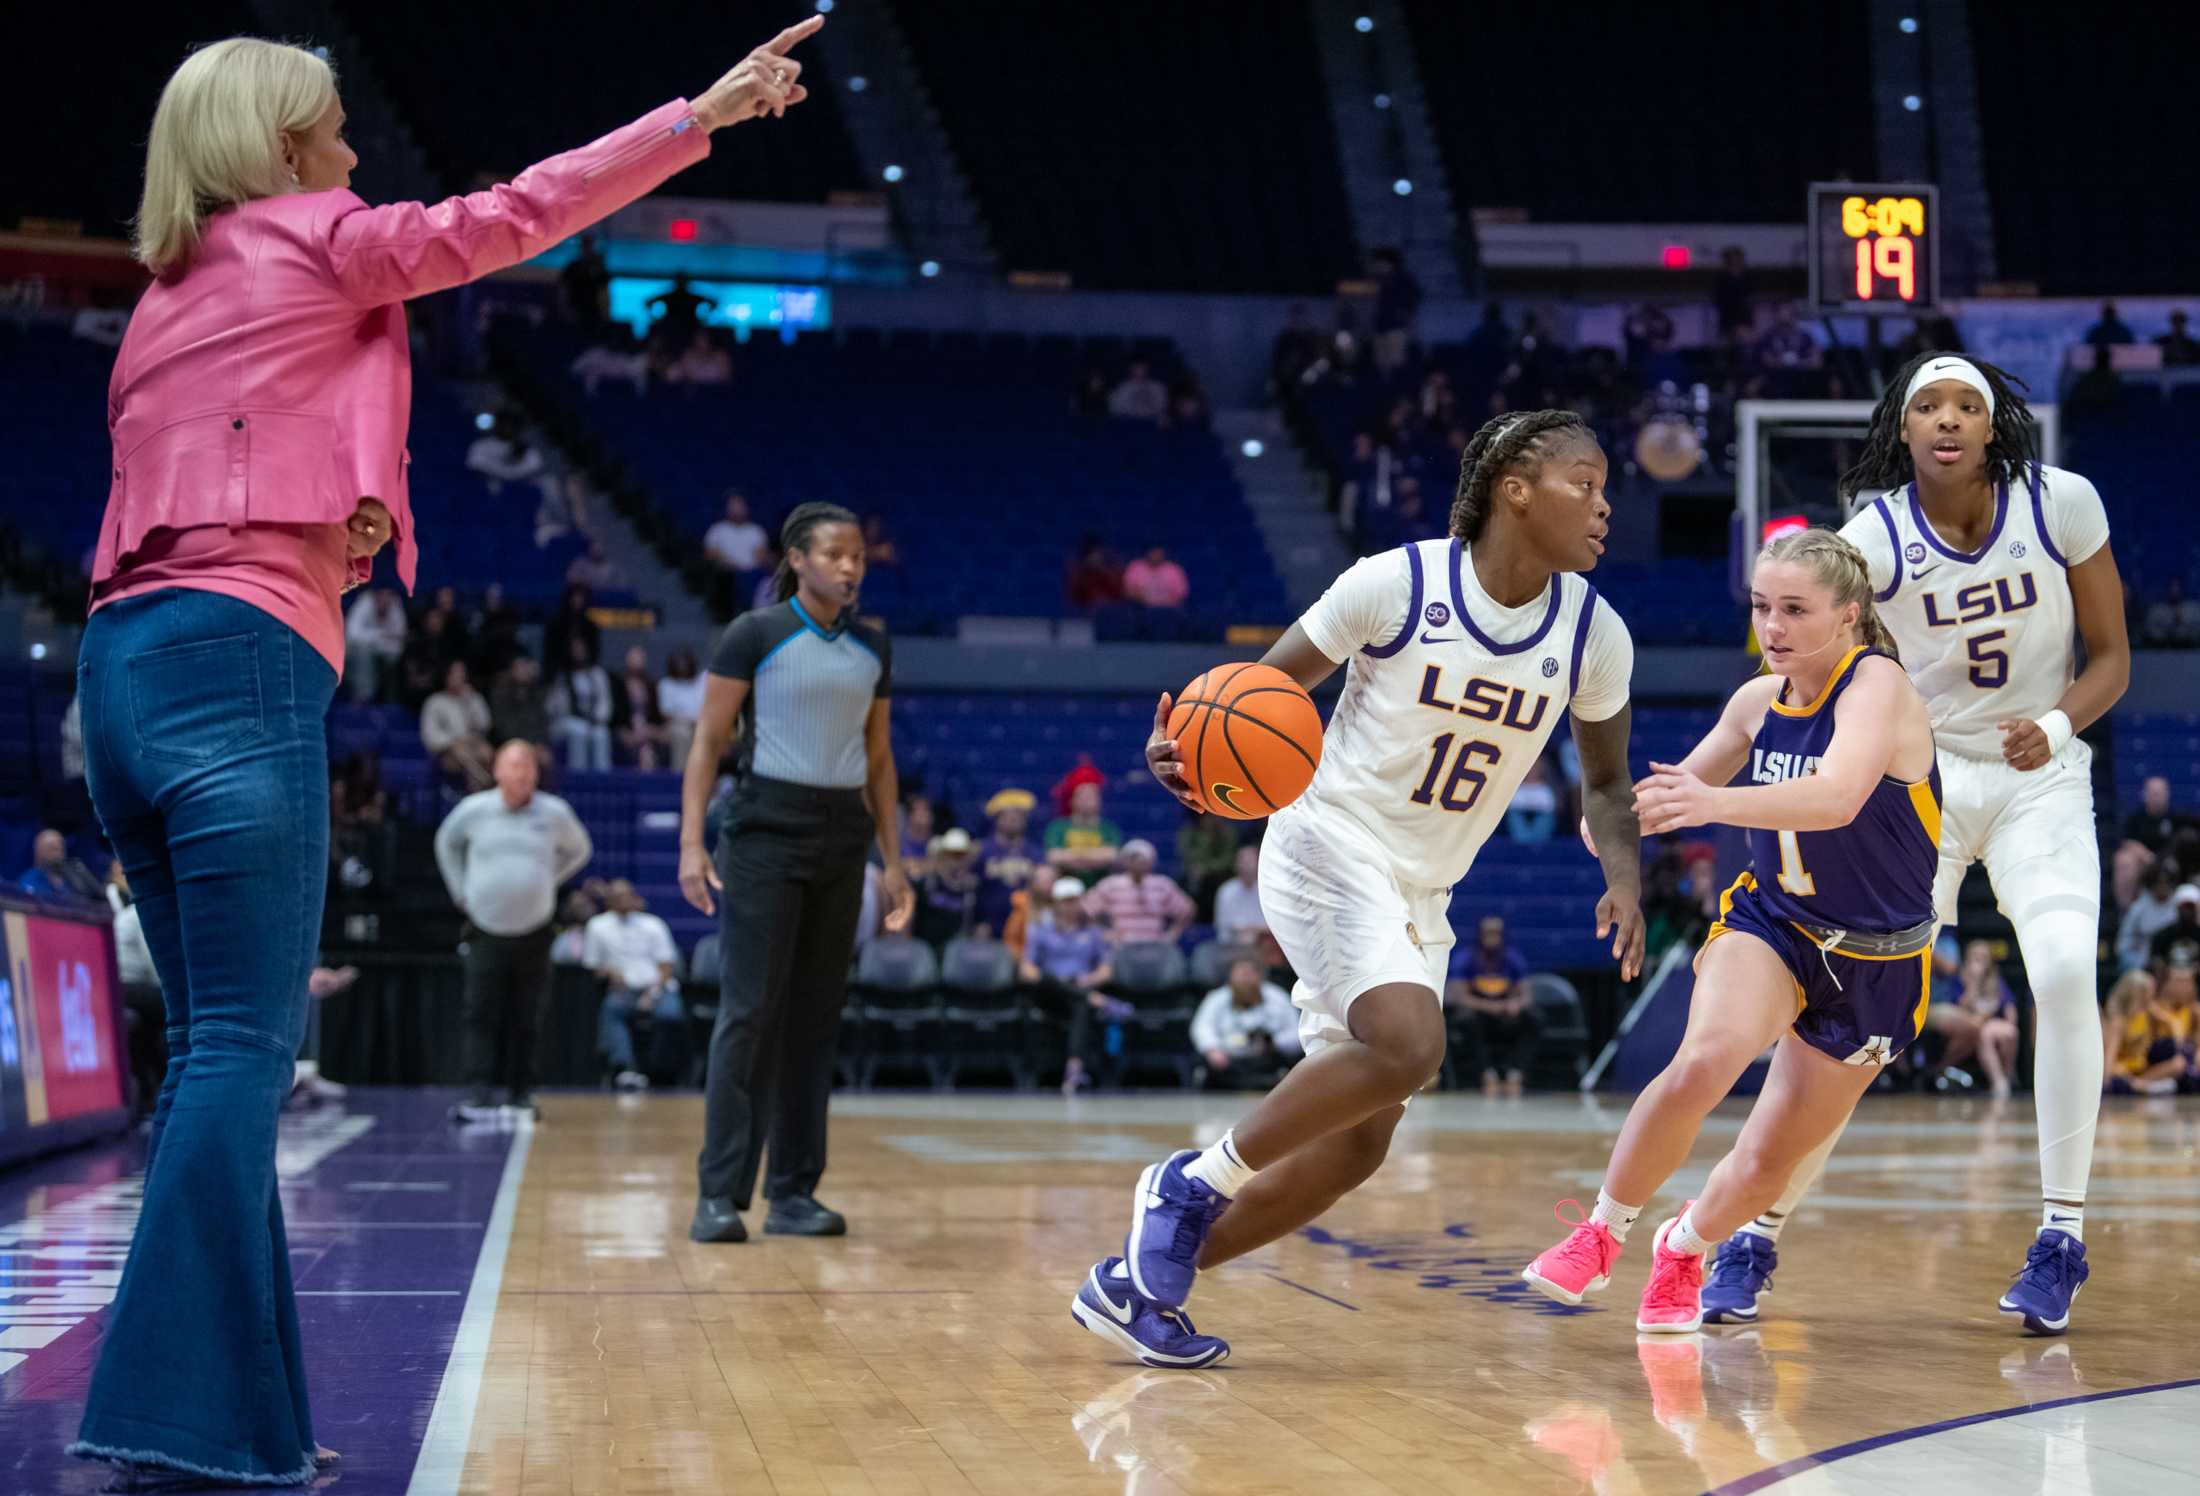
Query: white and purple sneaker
point(1170, 1218)
point(1154, 1334)
point(2054, 1270)
point(1741, 1276)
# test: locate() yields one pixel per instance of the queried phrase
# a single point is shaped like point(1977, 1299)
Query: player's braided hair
point(1885, 462)
point(1841, 570)
point(795, 535)
point(1507, 440)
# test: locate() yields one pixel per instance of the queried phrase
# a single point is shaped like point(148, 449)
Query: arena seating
point(932, 433)
point(507, 75)
point(1515, 132)
point(1144, 146)
point(2140, 452)
point(2072, 212)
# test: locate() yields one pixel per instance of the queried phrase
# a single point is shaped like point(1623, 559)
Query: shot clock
point(1874, 247)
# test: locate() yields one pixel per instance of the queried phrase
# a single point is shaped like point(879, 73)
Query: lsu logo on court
point(1980, 600)
point(1486, 700)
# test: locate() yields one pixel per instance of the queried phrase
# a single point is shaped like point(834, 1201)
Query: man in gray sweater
point(503, 853)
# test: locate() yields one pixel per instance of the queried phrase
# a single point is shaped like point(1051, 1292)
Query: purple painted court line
point(1802, 1463)
point(379, 1306)
point(1317, 1293)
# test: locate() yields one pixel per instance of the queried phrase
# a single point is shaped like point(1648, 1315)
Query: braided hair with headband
point(1503, 443)
point(1839, 567)
point(1885, 461)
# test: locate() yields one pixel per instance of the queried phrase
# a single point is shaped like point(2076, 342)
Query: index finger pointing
point(784, 43)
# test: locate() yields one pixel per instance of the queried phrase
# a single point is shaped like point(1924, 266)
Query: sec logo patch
point(1550, 666)
point(2016, 549)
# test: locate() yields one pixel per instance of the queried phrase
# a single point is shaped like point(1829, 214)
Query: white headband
point(1959, 369)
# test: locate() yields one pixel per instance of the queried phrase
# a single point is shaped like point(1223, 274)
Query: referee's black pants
point(791, 858)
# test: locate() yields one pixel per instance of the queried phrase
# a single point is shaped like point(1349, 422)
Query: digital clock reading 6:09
point(1874, 247)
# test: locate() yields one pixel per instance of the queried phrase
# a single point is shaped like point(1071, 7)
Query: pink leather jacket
point(271, 382)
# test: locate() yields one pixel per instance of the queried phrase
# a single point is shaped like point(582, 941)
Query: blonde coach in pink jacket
point(259, 408)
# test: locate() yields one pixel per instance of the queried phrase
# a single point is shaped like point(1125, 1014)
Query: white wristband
point(2056, 725)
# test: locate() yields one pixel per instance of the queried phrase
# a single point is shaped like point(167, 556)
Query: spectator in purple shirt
point(1066, 963)
point(1490, 1011)
point(1006, 857)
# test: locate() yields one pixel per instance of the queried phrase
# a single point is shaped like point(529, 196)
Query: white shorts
point(1345, 922)
point(2033, 830)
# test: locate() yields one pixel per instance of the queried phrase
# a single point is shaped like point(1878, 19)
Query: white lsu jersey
point(1450, 698)
point(1988, 634)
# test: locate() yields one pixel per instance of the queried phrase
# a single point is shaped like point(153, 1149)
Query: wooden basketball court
point(1391, 1348)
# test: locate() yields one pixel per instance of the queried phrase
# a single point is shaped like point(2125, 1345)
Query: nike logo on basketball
point(1433, 639)
point(1225, 795)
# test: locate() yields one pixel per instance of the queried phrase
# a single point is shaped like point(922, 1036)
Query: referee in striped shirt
point(812, 686)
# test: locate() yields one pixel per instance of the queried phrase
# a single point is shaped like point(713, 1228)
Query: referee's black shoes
point(717, 1220)
point(799, 1215)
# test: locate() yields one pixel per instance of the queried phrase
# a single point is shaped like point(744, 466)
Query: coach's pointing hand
point(767, 81)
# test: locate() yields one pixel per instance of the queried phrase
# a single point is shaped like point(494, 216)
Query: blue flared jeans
point(206, 753)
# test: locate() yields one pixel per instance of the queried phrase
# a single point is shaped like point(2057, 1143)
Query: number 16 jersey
point(1449, 698)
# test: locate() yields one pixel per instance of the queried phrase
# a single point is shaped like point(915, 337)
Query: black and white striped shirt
point(812, 687)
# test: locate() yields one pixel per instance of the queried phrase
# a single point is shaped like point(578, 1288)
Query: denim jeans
point(615, 1027)
point(207, 758)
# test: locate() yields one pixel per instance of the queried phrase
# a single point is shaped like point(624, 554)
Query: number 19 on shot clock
point(1874, 247)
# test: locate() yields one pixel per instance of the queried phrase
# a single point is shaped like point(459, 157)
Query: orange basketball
point(1249, 737)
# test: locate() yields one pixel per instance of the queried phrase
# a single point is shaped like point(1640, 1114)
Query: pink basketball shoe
point(1672, 1301)
point(1577, 1266)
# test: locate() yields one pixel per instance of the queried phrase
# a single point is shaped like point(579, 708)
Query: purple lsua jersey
point(1876, 873)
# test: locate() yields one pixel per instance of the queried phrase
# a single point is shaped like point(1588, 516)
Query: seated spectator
point(374, 637)
point(2182, 933)
point(570, 622)
point(1065, 964)
point(680, 310)
point(1094, 578)
point(580, 711)
point(593, 569)
point(2174, 620)
point(919, 824)
point(1084, 771)
point(632, 950)
point(503, 454)
point(1239, 922)
point(1649, 336)
point(703, 362)
point(2156, 823)
point(636, 719)
point(2153, 911)
point(736, 542)
point(2149, 1029)
point(1533, 814)
point(519, 703)
point(1154, 581)
point(2179, 348)
point(1982, 1020)
point(569, 947)
point(454, 728)
point(55, 875)
point(1140, 397)
point(584, 285)
point(1029, 907)
point(879, 551)
point(680, 701)
point(1207, 854)
point(1246, 1031)
point(1490, 1012)
point(947, 895)
point(1007, 857)
point(362, 835)
point(1787, 344)
point(1139, 903)
point(492, 629)
point(427, 658)
point(598, 364)
point(1083, 843)
point(2110, 330)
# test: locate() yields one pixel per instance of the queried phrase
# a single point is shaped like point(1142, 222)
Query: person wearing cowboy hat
point(947, 898)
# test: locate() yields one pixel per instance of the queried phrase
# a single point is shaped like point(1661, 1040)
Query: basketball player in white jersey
point(1461, 655)
point(1985, 564)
